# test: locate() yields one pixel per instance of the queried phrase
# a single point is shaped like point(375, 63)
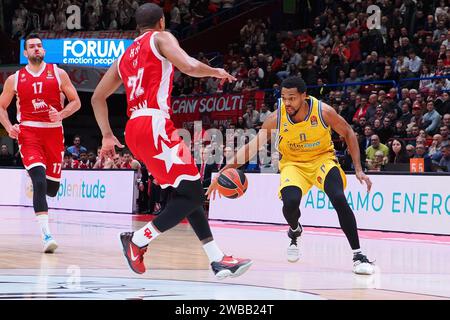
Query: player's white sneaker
point(50, 244)
point(293, 253)
point(362, 265)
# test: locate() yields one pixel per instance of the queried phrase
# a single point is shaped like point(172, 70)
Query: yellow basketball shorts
point(305, 175)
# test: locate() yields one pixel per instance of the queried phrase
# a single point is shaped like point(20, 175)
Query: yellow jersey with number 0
point(305, 141)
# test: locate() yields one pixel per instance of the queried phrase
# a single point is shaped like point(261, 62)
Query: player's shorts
point(42, 146)
point(152, 138)
point(305, 175)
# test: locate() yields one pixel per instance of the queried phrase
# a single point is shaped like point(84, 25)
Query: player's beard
point(294, 113)
point(36, 60)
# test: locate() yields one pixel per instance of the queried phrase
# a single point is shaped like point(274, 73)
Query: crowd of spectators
point(36, 15)
point(413, 41)
point(393, 124)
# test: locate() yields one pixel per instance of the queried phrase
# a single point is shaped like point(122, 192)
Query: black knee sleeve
point(199, 223)
point(52, 188)
point(37, 175)
point(184, 199)
point(291, 197)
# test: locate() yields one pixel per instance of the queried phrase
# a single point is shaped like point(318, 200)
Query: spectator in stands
point(366, 139)
point(114, 163)
point(372, 107)
point(425, 85)
point(92, 158)
point(77, 148)
point(410, 150)
point(263, 114)
point(444, 132)
point(228, 154)
point(442, 103)
point(414, 63)
point(251, 116)
point(406, 114)
point(206, 167)
point(421, 152)
point(361, 110)
point(436, 145)
point(375, 146)
point(431, 119)
point(126, 160)
point(83, 161)
point(397, 152)
point(68, 162)
point(379, 115)
point(399, 131)
point(417, 118)
point(386, 131)
point(446, 120)
point(6, 158)
point(353, 78)
point(444, 163)
point(378, 162)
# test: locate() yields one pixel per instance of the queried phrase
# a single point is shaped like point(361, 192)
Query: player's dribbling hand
point(213, 189)
point(222, 74)
point(54, 115)
point(108, 146)
point(14, 131)
point(362, 177)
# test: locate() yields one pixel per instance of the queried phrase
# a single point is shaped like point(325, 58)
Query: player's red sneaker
point(133, 253)
point(230, 267)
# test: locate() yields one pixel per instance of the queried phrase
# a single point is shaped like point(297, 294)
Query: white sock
point(43, 223)
point(143, 236)
point(213, 251)
point(298, 228)
point(356, 251)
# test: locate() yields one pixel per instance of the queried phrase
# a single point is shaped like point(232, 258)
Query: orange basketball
point(232, 183)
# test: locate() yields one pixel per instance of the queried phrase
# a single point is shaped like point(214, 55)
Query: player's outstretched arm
point(107, 86)
point(338, 124)
point(249, 150)
point(71, 93)
point(168, 46)
point(5, 100)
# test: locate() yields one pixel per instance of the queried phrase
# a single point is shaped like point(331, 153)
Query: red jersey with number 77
point(150, 134)
point(147, 76)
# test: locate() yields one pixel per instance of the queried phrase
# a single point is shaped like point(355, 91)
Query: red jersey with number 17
point(37, 92)
point(147, 76)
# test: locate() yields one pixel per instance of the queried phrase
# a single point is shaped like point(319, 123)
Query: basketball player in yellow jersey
point(307, 158)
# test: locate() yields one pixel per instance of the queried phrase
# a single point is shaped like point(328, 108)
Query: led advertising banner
point(99, 53)
point(405, 203)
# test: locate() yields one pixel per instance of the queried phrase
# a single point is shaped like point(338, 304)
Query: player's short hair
point(294, 82)
point(148, 15)
point(31, 36)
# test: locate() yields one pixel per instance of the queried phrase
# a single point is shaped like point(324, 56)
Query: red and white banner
point(217, 107)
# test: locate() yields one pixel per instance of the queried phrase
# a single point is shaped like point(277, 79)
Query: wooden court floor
point(89, 264)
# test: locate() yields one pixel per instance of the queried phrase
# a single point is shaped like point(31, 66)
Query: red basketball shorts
point(153, 139)
point(42, 147)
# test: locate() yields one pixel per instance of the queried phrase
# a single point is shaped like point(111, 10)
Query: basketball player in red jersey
point(40, 89)
point(146, 71)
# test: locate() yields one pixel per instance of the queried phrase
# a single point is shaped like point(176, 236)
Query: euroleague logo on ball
point(232, 183)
